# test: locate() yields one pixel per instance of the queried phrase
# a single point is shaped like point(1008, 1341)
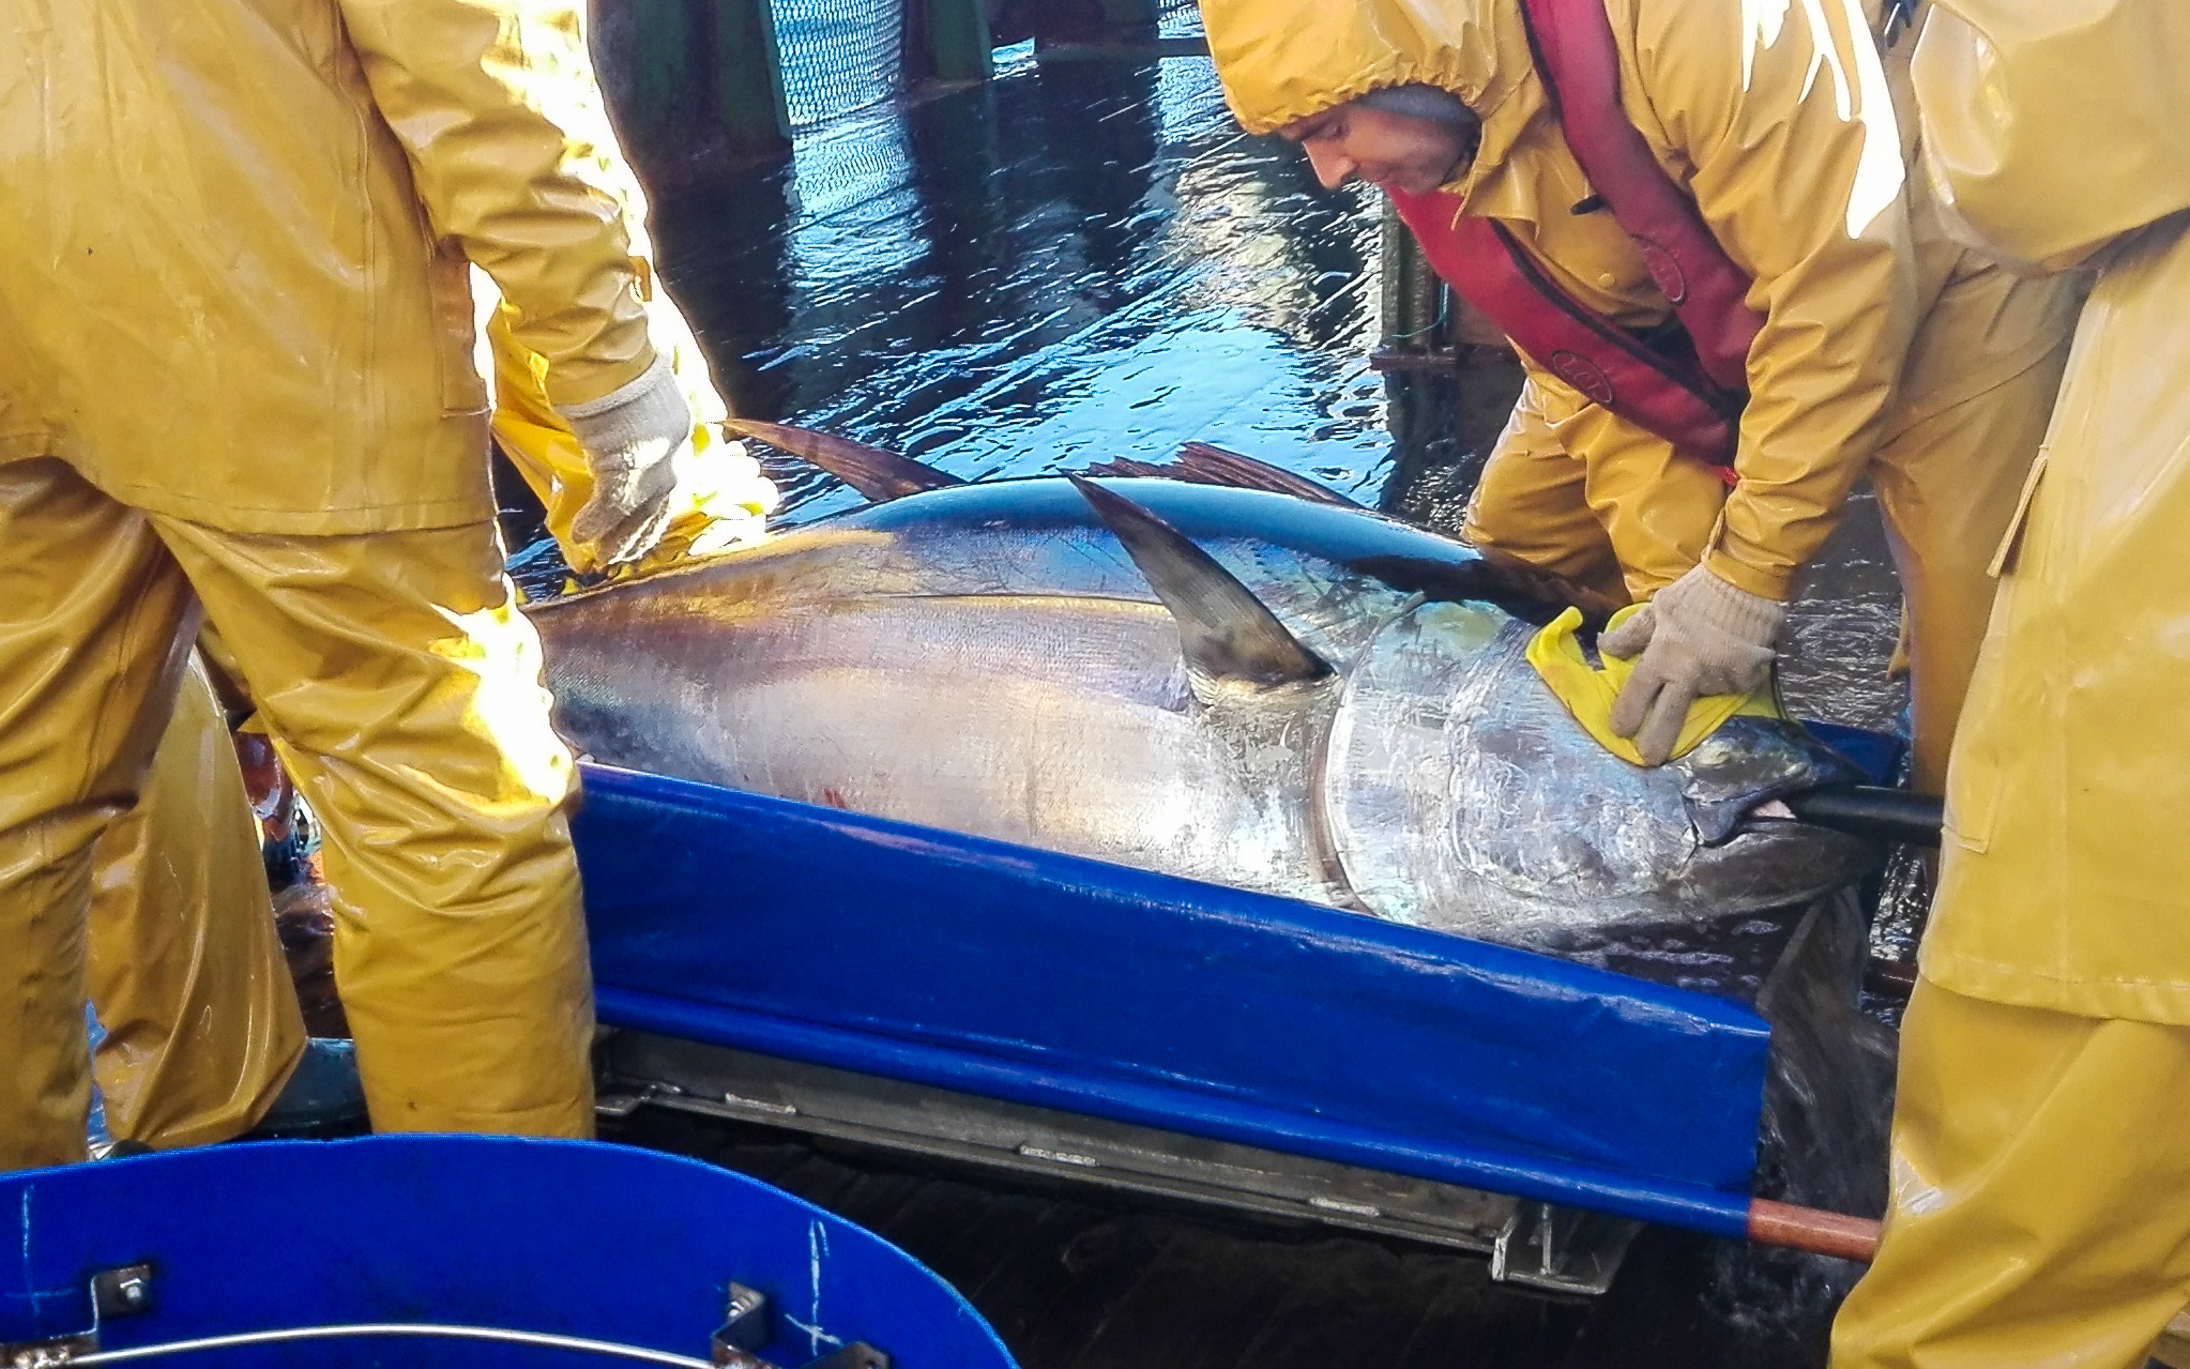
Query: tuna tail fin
point(1227, 634)
point(880, 475)
point(1200, 463)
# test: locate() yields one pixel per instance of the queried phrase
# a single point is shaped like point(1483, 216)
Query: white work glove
point(635, 437)
point(1698, 636)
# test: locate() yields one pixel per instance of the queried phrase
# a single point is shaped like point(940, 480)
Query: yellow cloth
point(1587, 690)
point(403, 690)
point(237, 247)
point(2040, 1193)
point(185, 971)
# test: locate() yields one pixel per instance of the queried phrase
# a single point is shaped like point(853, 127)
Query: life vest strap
point(1690, 391)
point(1579, 62)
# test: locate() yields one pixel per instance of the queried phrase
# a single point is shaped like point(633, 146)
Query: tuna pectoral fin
point(1225, 631)
point(875, 473)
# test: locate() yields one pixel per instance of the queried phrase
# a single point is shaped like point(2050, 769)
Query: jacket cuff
point(1771, 582)
point(597, 382)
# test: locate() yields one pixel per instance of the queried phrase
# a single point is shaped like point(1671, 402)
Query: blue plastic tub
point(604, 1244)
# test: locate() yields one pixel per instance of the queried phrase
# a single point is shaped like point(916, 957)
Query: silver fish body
point(991, 659)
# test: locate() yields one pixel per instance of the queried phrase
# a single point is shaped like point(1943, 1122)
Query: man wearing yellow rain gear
point(2041, 1140)
point(201, 1021)
point(234, 373)
point(1878, 347)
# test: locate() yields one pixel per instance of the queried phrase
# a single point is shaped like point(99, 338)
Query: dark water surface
point(1086, 259)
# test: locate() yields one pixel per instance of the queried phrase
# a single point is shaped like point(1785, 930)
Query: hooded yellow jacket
point(2041, 169)
point(1776, 117)
point(234, 239)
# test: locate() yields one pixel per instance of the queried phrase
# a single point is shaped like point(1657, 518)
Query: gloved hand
point(635, 437)
point(1699, 636)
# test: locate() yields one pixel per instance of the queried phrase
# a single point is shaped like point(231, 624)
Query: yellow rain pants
point(185, 968)
point(186, 972)
point(2014, 1241)
point(1886, 349)
point(2038, 1214)
point(402, 688)
point(1625, 520)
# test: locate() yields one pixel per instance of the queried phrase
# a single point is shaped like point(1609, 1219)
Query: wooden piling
point(696, 85)
point(947, 40)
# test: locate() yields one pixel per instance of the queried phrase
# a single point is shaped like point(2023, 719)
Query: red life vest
point(1689, 385)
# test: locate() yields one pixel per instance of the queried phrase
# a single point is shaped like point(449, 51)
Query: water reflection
point(1081, 259)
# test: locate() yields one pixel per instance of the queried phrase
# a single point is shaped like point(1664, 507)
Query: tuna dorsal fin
point(1201, 463)
point(878, 474)
point(1226, 632)
point(1237, 468)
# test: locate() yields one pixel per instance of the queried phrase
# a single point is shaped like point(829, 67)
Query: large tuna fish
point(1282, 693)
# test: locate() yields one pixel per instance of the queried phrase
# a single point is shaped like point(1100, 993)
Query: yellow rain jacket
point(2058, 887)
point(235, 370)
point(2041, 1148)
point(1883, 338)
point(320, 126)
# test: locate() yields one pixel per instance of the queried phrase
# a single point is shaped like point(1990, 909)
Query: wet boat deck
point(1082, 259)
point(1073, 1281)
